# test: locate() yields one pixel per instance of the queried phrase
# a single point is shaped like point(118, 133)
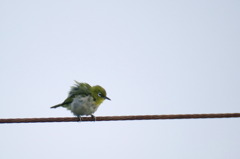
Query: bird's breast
point(83, 105)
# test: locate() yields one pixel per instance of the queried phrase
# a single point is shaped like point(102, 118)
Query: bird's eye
point(99, 94)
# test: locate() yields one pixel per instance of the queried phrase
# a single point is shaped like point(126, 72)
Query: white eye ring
point(99, 94)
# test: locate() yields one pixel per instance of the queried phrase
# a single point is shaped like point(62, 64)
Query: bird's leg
point(79, 117)
point(93, 117)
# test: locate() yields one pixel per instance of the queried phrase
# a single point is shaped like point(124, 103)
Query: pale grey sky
point(152, 57)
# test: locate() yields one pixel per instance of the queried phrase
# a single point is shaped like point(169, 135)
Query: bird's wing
point(80, 89)
point(68, 100)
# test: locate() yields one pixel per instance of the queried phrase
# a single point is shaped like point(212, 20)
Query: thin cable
point(117, 118)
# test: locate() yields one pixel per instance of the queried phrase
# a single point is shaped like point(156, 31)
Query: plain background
point(152, 57)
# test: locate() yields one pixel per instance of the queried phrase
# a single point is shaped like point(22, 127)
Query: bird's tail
point(55, 106)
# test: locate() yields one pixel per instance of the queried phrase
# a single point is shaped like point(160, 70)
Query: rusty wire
point(119, 118)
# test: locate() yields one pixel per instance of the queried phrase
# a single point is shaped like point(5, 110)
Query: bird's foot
point(93, 117)
point(79, 118)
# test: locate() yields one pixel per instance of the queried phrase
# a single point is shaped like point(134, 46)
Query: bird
point(84, 99)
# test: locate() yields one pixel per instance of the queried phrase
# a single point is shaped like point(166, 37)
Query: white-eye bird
point(84, 99)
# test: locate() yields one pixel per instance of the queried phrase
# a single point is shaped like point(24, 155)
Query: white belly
point(83, 106)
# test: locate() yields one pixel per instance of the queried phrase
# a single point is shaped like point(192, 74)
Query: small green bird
point(84, 99)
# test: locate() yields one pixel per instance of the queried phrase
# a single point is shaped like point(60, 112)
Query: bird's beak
point(107, 98)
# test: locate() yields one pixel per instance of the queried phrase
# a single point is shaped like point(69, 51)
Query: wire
point(117, 118)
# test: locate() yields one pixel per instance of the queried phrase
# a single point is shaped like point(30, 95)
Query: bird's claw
point(93, 117)
point(79, 118)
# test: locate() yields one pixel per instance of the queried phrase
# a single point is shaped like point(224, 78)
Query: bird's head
point(99, 94)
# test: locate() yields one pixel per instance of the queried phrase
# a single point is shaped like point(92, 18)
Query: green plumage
point(83, 99)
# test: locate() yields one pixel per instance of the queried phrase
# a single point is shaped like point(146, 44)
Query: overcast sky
point(152, 57)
